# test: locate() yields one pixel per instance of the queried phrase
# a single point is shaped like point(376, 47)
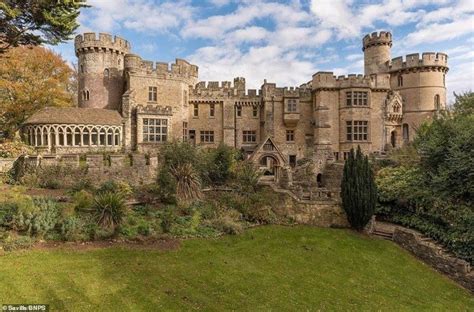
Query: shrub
point(14, 242)
point(168, 218)
point(219, 164)
point(14, 149)
point(109, 209)
point(247, 177)
point(72, 229)
point(118, 187)
point(83, 201)
point(188, 186)
point(227, 225)
point(358, 190)
point(166, 186)
point(36, 219)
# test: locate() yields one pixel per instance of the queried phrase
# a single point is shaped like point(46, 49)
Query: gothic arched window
point(400, 80)
point(106, 73)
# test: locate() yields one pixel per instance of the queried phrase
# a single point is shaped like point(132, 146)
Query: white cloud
point(139, 15)
point(441, 32)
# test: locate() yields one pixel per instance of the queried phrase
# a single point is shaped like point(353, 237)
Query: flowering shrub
point(14, 149)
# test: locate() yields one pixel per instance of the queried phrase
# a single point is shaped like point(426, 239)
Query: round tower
point(421, 81)
point(100, 70)
point(376, 47)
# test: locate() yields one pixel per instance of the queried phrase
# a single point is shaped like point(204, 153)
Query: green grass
point(267, 268)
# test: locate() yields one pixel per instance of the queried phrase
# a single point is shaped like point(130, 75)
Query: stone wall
point(434, 255)
point(135, 169)
point(323, 211)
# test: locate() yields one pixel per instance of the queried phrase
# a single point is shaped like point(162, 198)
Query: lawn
point(267, 268)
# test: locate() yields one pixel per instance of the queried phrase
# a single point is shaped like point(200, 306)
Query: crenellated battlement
point(155, 110)
point(181, 68)
point(101, 41)
point(427, 59)
point(377, 39)
point(223, 88)
point(327, 80)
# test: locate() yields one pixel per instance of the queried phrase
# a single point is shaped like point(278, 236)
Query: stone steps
point(383, 234)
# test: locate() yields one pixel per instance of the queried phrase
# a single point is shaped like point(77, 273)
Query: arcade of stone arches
point(73, 135)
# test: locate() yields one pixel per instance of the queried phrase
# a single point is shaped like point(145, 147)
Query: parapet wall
point(323, 80)
point(181, 68)
point(101, 41)
point(135, 169)
point(427, 59)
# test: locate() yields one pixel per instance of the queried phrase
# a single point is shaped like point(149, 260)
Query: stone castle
point(129, 104)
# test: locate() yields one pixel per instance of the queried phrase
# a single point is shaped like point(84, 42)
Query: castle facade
point(130, 104)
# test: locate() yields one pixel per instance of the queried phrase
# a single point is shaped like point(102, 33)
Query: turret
point(100, 67)
point(376, 47)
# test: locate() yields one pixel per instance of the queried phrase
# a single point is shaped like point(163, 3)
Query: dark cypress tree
point(358, 190)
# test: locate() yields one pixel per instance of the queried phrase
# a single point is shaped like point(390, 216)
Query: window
point(444, 80)
point(255, 111)
point(437, 102)
point(291, 105)
point(207, 136)
point(238, 111)
point(357, 130)
point(290, 135)
point(152, 94)
point(400, 80)
point(406, 134)
point(212, 110)
point(357, 98)
point(85, 95)
point(82, 68)
point(119, 62)
point(185, 131)
point(292, 160)
point(396, 108)
point(155, 130)
point(346, 155)
point(196, 110)
point(249, 136)
point(349, 98)
point(106, 73)
point(336, 155)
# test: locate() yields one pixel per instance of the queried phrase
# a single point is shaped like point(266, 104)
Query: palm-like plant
point(188, 185)
point(109, 209)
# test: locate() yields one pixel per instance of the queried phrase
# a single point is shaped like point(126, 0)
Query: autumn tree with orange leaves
point(31, 78)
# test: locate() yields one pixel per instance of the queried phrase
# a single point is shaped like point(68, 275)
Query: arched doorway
point(319, 180)
point(393, 138)
point(269, 164)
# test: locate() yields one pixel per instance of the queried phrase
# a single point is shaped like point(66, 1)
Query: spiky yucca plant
point(188, 185)
point(109, 208)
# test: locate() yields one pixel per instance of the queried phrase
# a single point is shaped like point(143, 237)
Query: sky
point(285, 42)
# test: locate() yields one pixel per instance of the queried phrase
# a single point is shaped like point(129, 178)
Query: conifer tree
point(358, 190)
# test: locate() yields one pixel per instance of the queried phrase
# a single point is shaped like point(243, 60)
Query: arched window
point(82, 68)
point(38, 137)
point(400, 80)
point(396, 108)
point(86, 137)
point(437, 102)
point(77, 136)
point(117, 137)
point(87, 95)
point(119, 62)
point(68, 137)
point(102, 137)
point(406, 134)
point(106, 73)
point(94, 137)
point(110, 137)
point(45, 137)
point(61, 136)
